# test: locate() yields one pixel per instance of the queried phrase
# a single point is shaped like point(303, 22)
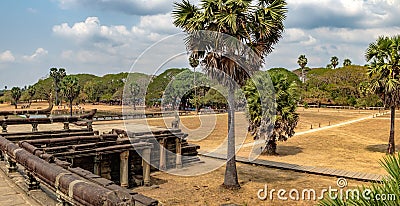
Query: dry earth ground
point(207, 190)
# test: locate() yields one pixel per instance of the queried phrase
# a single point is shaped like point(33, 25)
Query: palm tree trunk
point(70, 107)
point(231, 178)
point(56, 91)
point(391, 145)
point(270, 148)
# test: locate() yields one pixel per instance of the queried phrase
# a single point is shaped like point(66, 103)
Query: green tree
point(70, 89)
point(384, 71)
point(258, 24)
point(31, 92)
point(93, 90)
point(16, 95)
point(346, 62)
point(57, 75)
point(158, 85)
point(285, 120)
point(302, 61)
point(334, 61)
point(44, 89)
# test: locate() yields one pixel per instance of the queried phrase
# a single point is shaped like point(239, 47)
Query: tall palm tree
point(334, 61)
point(257, 24)
point(384, 70)
point(346, 62)
point(302, 61)
point(70, 88)
point(16, 95)
point(57, 75)
point(285, 120)
point(31, 92)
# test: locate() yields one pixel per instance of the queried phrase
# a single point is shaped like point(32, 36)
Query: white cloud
point(342, 13)
point(40, 52)
point(7, 56)
point(99, 42)
point(161, 23)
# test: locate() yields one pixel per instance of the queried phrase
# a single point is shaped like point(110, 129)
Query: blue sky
point(102, 36)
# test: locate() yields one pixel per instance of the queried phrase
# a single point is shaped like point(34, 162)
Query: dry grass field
point(206, 189)
point(356, 147)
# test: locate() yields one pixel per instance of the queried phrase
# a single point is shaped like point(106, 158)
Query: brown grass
point(207, 190)
point(352, 147)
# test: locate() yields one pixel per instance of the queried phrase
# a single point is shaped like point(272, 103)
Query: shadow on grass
point(270, 176)
point(382, 148)
point(288, 150)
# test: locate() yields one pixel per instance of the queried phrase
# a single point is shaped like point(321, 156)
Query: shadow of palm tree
point(288, 150)
point(377, 148)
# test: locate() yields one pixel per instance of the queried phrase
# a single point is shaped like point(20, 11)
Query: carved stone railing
point(48, 120)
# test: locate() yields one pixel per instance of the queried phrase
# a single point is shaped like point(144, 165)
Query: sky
point(109, 36)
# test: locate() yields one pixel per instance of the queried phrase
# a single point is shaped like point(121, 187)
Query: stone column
point(97, 165)
point(32, 183)
point(12, 165)
point(90, 125)
point(34, 127)
point(162, 154)
point(4, 127)
point(124, 169)
point(146, 166)
point(66, 125)
point(178, 153)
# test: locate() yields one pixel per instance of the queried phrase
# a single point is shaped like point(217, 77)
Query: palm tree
point(31, 92)
point(57, 75)
point(302, 61)
point(259, 25)
point(384, 71)
point(346, 62)
point(70, 89)
point(285, 120)
point(334, 61)
point(16, 95)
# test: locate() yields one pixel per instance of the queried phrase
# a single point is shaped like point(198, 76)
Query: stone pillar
point(34, 127)
point(32, 183)
point(124, 169)
point(4, 126)
point(90, 125)
point(178, 153)
point(162, 154)
point(97, 165)
point(146, 166)
point(66, 125)
point(12, 165)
